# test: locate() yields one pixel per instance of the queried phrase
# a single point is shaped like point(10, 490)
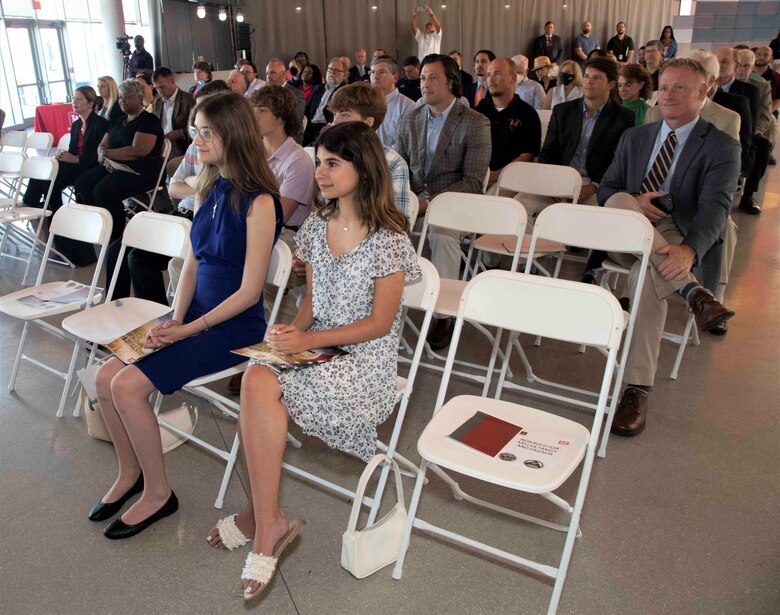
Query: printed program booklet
point(280, 362)
point(130, 347)
point(119, 166)
point(533, 448)
point(57, 296)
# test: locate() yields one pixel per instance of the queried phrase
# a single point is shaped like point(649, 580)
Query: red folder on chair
point(485, 433)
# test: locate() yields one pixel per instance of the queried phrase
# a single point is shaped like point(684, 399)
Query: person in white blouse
point(569, 85)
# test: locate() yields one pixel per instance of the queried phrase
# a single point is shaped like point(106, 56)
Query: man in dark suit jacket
point(583, 133)
point(479, 90)
point(317, 114)
point(698, 165)
point(458, 162)
point(176, 102)
point(359, 72)
point(548, 44)
point(739, 104)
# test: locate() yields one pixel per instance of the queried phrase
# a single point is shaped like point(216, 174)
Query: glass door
point(53, 63)
point(24, 65)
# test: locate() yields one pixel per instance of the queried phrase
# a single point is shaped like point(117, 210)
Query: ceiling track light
point(201, 11)
point(222, 13)
point(239, 16)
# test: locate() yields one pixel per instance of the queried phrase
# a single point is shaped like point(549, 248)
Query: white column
point(113, 19)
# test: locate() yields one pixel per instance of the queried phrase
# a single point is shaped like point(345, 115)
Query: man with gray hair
point(384, 77)
point(275, 73)
point(317, 113)
point(359, 72)
point(237, 82)
point(529, 91)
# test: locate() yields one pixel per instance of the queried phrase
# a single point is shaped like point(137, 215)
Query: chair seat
point(610, 265)
point(436, 446)
point(449, 296)
point(10, 305)
point(108, 321)
point(505, 244)
point(21, 213)
point(225, 373)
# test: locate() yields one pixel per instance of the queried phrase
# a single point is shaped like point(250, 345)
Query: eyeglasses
point(205, 133)
point(379, 72)
point(334, 70)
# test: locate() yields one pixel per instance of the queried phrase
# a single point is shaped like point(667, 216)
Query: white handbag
point(363, 552)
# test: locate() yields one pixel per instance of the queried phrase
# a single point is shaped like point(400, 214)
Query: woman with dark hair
point(358, 257)
point(86, 133)
point(670, 45)
point(634, 87)
point(219, 308)
point(201, 71)
point(310, 76)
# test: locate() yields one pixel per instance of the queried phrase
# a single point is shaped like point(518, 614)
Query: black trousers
point(761, 148)
point(67, 175)
point(103, 189)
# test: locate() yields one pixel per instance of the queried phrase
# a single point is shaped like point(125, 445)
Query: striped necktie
point(660, 169)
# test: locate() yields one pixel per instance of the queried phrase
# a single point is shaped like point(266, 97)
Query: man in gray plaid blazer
point(447, 147)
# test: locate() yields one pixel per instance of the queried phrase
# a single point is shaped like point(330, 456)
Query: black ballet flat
point(102, 511)
point(118, 529)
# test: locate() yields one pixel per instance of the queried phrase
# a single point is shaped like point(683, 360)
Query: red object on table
point(55, 119)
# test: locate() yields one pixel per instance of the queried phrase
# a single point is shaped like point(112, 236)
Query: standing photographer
point(140, 62)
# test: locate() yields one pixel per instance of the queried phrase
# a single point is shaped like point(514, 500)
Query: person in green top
point(634, 86)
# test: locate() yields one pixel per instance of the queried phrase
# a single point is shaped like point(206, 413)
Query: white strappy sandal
point(261, 568)
point(232, 537)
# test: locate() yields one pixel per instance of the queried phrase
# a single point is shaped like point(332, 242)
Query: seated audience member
point(569, 85)
point(137, 143)
point(480, 88)
point(737, 102)
point(237, 82)
point(378, 52)
point(275, 75)
point(219, 309)
point(515, 128)
point(347, 61)
point(584, 133)
point(352, 301)
point(640, 56)
point(296, 68)
point(600, 53)
point(240, 62)
point(541, 72)
point(668, 43)
point(762, 68)
point(384, 75)
point(466, 80)
point(548, 44)
point(317, 112)
point(311, 77)
point(172, 107)
point(86, 133)
point(700, 179)
point(149, 94)
point(359, 103)
point(409, 86)
point(634, 89)
point(146, 267)
point(360, 71)
point(528, 90)
point(764, 131)
point(250, 72)
point(447, 148)
point(201, 71)
point(108, 107)
point(653, 57)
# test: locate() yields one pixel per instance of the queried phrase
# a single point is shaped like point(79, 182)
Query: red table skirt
point(55, 119)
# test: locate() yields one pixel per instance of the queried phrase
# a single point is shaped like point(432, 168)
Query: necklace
point(216, 204)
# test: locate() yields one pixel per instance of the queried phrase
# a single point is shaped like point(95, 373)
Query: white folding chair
point(534, 305)
point(40, 141)
point(15, 138)
point(419, 295)
point(74, 221)
point(10, 170)
point(44, 169)
point(595, 228)
point(101, 324)
point(279, 268)
point(469, 213)
point(413, 210)
point(151, 195)
point(64, 143)
point(544, 117)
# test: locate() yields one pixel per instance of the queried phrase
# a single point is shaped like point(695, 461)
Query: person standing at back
point(428, 42)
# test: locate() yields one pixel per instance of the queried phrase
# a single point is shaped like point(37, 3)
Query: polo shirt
point(514, 130)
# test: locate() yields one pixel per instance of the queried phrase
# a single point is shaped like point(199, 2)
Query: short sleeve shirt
point(294, 171)
point(514, 131)
point(620, 48)
point(427, 43)
point(123, 133)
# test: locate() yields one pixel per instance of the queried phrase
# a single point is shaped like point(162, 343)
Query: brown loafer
point(708, 311)
point(631, 416)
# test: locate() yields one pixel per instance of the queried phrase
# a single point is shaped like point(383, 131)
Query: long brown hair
point(357, 143)
point(230, 117)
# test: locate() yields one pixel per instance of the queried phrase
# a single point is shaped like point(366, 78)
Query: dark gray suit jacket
point(702, 185)
point(462, 154)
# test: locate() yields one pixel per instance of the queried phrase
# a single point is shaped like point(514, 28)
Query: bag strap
point(361, 488)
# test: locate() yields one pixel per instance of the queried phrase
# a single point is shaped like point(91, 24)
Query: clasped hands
point(679, 259)
point(166, 334)
point(288, 338)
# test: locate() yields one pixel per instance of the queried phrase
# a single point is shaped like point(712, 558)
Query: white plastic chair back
point(82, 223)
point(422, 294)
point(310, 151)
point(544, 118)
point(413, 210)
point(40, 141)
point(551, 180)
point(486, 181)
point(279, 268)
point(40, 168)
point(158, 233)
point(15, 138)
point(64, 143)
point(12, 162)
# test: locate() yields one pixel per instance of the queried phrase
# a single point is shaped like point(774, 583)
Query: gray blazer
point(702, 185)
point(462, 154)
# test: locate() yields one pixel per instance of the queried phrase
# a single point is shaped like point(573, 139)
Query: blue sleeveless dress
point(218, 238)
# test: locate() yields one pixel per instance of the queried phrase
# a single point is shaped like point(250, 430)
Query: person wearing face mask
point(569, 85)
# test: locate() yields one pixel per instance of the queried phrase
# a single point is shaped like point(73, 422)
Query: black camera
point(123, 44)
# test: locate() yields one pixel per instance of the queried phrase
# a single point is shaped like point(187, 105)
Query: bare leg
point(129, 468)
point(130, 390)
point(263, 421)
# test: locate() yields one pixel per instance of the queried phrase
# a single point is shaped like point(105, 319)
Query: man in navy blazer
point(317, 113)
point(548, 44)
point(700, 176)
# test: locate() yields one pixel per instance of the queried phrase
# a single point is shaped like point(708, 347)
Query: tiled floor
point(682, 519)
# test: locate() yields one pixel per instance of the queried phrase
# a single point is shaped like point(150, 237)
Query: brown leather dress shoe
point(440, 333)
point(707, 310)
point(631, 416)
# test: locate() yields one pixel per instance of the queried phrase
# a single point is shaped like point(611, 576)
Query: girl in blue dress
point(219, 307)
point(358, 257)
